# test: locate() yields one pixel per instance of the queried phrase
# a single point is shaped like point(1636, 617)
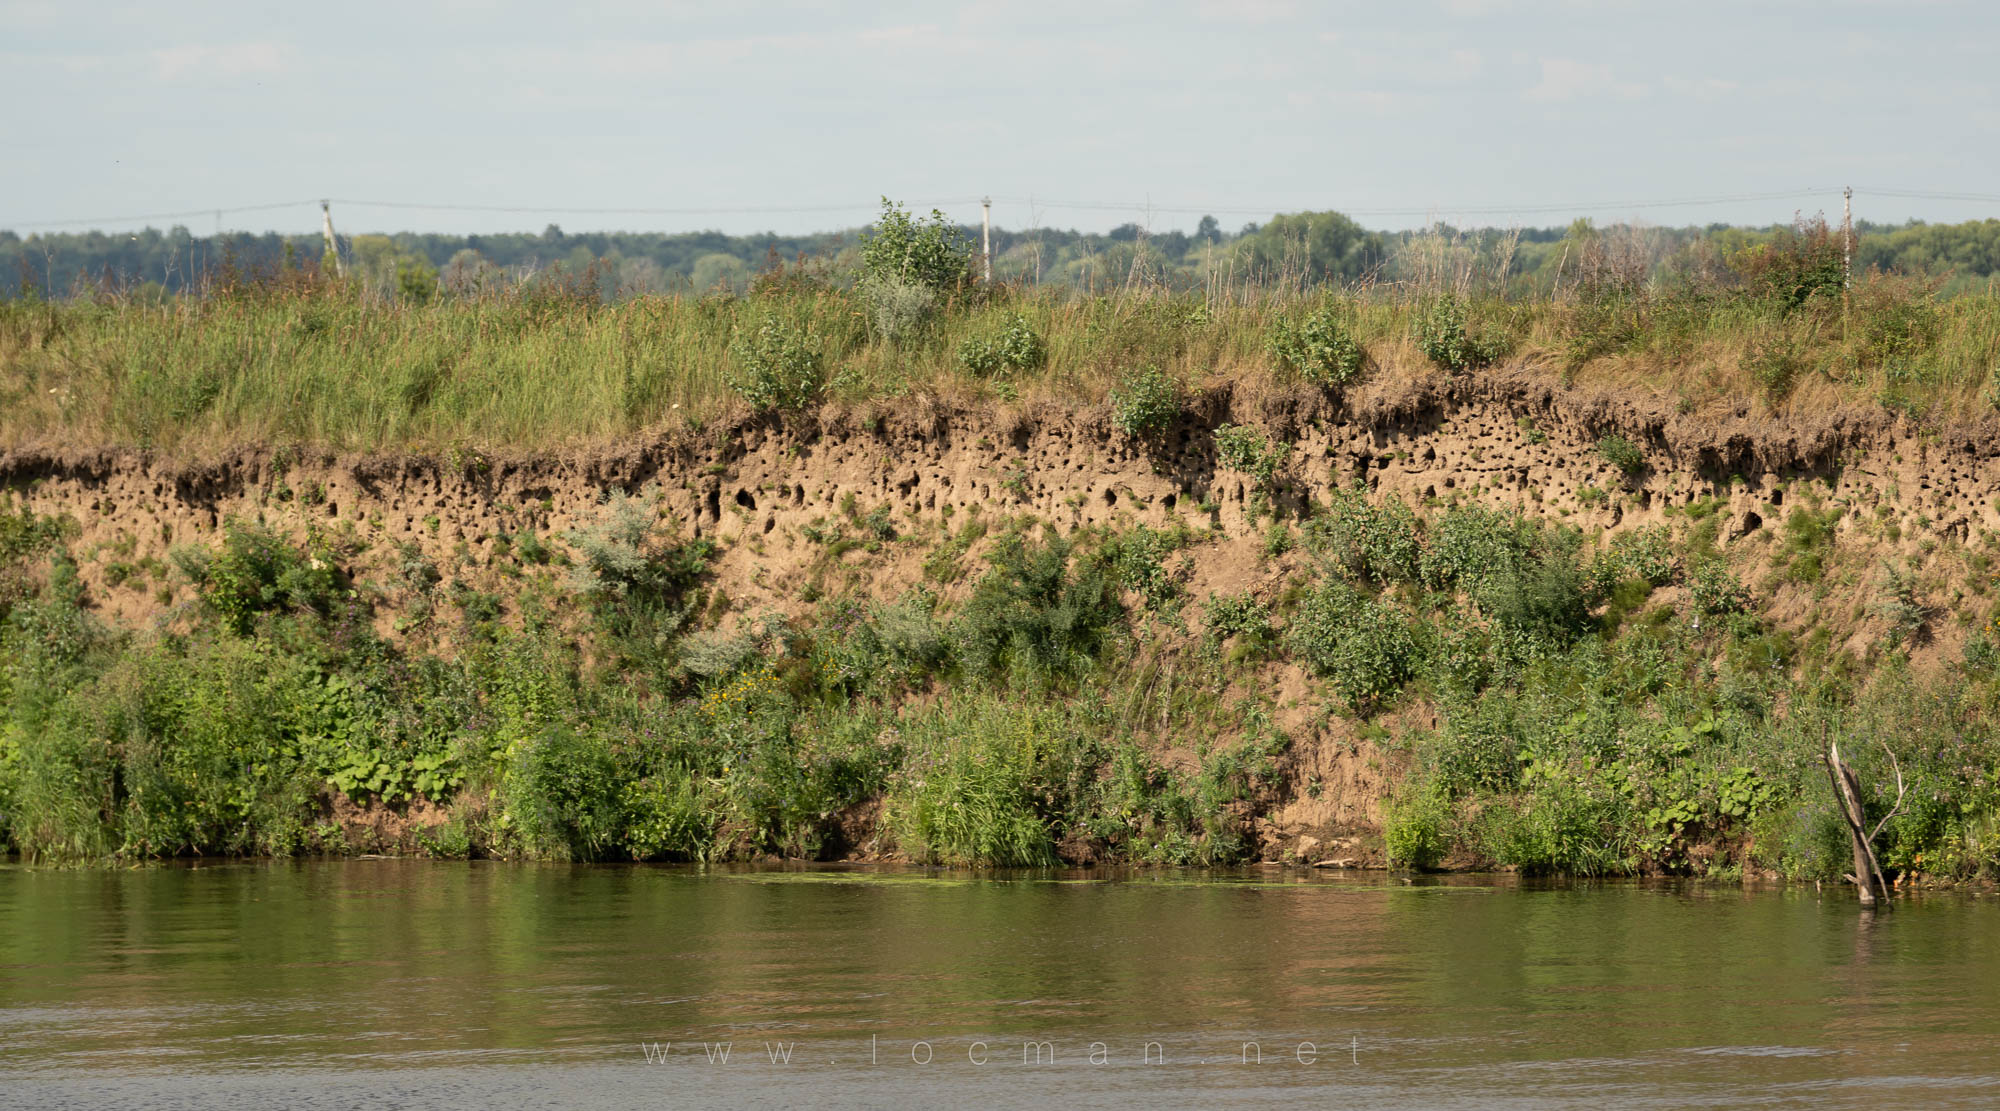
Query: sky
point(798, 117)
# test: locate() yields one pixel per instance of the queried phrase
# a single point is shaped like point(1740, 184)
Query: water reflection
point(157, 984)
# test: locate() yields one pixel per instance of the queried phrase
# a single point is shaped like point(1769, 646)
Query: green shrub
point(859, 646)
point(1369, 541)
point(1796, 266)
point(1318, 348)
point(1622, 454)
point(626, 554)
point(902, 309)
point(933, 254)
point(1242, 448)
point(980, 355)
point(1442, 333)
point(1461, 659)
point(23, 537)
point(1016, 347)
point(911, 641)
point(1715, 590)
point(1646, 554)
point(779, 367)
point(1899, 604)
point(1470, 543)
point(1777, 362)
point(1561, 826)
point(564, 795)
point(1478, 749)
point(256, 571)
point(1543, 594)
point(1231, 615)
point(1416, 828)
point(211, 751)
point(1139, 558)
point(1145, 403)
point(1035, 615)
point(1363, 646)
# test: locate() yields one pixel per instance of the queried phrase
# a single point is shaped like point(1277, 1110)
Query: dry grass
point(319, 364)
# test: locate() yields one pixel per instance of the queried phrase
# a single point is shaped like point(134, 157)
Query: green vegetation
point(1317, 348)
point(1622, 454)
point(1145, 403)
point(604, 708)
point(276, 350)
point(1016, 348)
point(779, 367)
point(1591, 705)
point(1446, 336)
point(1294, 248)
point(1245, 449)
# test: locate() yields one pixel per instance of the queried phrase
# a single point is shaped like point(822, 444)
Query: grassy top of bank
point(296, 354)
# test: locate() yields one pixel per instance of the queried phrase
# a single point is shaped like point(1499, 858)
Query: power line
point(1480, 210)
point(562, 210)
point(1918, 194)
point(161, 215)
point(1032, 203)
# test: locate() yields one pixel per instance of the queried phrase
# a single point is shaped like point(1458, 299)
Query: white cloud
point(1567, 79)
point(1703, 88)
point(1252, 12)
point(228, 60)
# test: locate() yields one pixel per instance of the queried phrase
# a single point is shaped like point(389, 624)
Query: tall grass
point(319, 362)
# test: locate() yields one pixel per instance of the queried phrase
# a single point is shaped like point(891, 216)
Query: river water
point(401, 984)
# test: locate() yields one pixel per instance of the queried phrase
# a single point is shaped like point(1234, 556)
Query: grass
point(296, 359)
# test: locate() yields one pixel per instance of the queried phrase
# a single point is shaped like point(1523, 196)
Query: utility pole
point(326, 229)
point(1846, 253)
point(986, 234)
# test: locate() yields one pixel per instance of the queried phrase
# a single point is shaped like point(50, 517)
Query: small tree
point(779, 367)
point(1319, 348)
point(908, 265)
point(1145, 403)
point(934, 253)
point(1446, 338)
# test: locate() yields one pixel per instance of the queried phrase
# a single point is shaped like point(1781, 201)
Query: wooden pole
point(326, 229)
point(1867, 876)
point(1846, 254)
point(986, 234)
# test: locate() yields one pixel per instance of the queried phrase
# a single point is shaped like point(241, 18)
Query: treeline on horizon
point(1307, 247)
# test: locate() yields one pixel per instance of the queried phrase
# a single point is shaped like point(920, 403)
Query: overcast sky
point(796, 117)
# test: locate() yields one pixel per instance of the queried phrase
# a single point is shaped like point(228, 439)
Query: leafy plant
point(1715, 590)
point(1443, 334)
point(1017, 347)
point(1370, 541)
point(1037, 614)
point(1363, 646)
point(1242, 448)
point(779, 367)
point(933, 254)
point(256, 571)
point(1622, 454)
point(1777, 362)
point(970, 794)
point(1318, 348)
point(1145, 403)
point(1416, 827)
